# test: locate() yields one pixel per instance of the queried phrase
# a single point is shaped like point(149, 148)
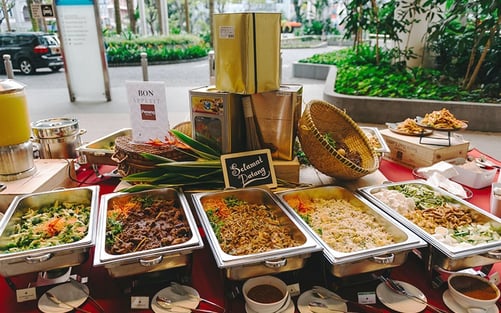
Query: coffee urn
point(16, 148)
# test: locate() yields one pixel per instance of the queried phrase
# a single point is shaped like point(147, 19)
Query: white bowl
point(265, 294)
point(472, 292)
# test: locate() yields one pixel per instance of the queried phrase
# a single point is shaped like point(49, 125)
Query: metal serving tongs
point(179, 289)
point(399, 289)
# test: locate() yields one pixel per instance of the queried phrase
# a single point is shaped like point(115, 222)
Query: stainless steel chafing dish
point(100, 150)
point(238, 267)
point(151, 260)
point(364, 260)
point(52, 257)
point(441, 254)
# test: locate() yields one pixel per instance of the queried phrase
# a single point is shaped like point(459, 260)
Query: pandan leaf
point(139, 187)
point(203, 150)
point(156, 158)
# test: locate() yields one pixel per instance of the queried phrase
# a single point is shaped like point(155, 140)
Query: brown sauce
point(265, 294)
point(473, 288)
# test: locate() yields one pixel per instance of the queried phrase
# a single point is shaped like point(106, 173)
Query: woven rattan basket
point(320, 118)
point(128, 156)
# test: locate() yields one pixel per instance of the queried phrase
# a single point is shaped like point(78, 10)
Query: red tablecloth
point(114, 294)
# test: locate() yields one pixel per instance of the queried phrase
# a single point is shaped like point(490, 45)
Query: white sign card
point(148, 110)
point(83, 50)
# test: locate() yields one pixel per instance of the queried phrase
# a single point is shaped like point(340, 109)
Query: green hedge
point(166, 48)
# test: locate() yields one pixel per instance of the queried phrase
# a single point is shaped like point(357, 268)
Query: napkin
point(446, 169)
point(438, 180)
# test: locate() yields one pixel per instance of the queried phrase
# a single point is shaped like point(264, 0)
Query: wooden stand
point(50, 174)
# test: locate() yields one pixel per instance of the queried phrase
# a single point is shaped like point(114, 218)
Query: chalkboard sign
point(245, 169)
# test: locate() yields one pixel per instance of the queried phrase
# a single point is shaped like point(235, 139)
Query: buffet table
point(134, 294)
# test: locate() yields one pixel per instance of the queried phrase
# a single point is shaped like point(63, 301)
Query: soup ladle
point(168, 304)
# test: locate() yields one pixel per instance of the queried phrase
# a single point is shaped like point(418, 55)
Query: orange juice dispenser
point(16, 148)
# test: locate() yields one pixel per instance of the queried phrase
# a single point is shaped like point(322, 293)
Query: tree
point(132, 16)
point(6, 8)
point(297, 10)
point(187, 16)
point(481, 20)
point(118, 18)
point(151, 14)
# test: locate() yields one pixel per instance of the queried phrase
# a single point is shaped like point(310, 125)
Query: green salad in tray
point(46, 226)
point(447, 219)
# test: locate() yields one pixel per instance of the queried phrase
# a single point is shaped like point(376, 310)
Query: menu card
point(148, 110)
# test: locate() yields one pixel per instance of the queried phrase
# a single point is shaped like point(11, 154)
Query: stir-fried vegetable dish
point(46, 226)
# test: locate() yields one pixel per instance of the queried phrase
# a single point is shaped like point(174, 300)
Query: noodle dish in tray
point(249, 226)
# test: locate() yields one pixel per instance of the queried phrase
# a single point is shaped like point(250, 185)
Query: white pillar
point(415, 39)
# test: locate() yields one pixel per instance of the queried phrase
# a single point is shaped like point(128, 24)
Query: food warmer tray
point(151, 260)
point(374, 132)
point(53, 257)
point(441, 254)
point(364, 260)
point(238, 267)
point(101, 150)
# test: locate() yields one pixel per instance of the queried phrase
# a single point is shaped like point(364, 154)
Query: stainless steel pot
point(16, 161)
point(58, 138)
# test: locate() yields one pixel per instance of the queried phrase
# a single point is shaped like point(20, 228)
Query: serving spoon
point(319, 307)
point(168, 304)
point(324, 293)
point(80, 286)
point(54, 299)
point(179, 289)
point(399, 289)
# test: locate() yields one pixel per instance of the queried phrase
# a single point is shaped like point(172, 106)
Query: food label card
point(246, 169)
point(148, 110)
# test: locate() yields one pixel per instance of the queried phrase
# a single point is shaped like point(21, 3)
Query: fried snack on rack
point(442, 119)
point(410, 126)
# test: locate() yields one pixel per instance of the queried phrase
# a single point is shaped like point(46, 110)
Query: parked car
point(30, 51)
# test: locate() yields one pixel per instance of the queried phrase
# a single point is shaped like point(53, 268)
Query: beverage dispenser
point(16, 148)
